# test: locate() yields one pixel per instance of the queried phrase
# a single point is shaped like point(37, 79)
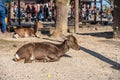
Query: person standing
point(3, 14)
point(29, 12)
point(46, 13)
point(108, 14)
point(40, 14)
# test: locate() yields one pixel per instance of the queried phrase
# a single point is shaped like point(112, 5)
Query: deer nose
point(78, 48)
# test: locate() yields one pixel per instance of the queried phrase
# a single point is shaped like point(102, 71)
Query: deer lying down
point(45, 51)
point(27, 31)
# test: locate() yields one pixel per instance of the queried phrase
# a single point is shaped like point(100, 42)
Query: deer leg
point(27, 59)
point(44, 59)
point(53, 58)
point(36, 35)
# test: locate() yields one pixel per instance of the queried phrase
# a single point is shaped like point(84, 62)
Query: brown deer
point(46, 51)
point(27, 31)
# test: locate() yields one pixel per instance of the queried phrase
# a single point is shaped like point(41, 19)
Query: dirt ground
point(98, 58)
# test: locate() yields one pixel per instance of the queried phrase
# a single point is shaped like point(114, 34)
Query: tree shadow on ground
point(66, 55)
point(114, 64)
point(99, 34)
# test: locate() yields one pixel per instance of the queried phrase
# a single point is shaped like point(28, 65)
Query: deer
point(26, 31)
point(45, 51)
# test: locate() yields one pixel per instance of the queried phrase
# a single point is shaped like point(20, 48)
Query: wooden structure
point(20, 3)
point(26, 1)
point(76, 9)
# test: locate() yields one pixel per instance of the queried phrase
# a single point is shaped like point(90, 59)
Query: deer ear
point(71, 34)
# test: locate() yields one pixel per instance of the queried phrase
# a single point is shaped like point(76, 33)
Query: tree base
point(56, 34)
point(116, 35)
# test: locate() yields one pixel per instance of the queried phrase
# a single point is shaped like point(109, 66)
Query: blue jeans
point(40, 16)
point(2, 18)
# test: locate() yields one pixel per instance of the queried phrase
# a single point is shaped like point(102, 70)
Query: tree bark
point(116, 24)
point(61, 18)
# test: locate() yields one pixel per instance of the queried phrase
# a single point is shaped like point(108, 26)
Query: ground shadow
point(111, 42)
point(66, 55)
point(99, 34)
point(114, 64)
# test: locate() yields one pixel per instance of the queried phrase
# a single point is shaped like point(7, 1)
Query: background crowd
point(43, 12)
point(87, 11)
point(47, 11)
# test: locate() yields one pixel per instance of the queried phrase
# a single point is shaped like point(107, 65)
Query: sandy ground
point(97, 60)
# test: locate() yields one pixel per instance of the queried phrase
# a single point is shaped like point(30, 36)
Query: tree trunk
point(61, 17)
point(116, 25)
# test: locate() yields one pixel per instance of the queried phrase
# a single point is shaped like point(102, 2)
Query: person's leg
point(2, 19)
point(40, 16)
point(0, 25)
point(4, 28)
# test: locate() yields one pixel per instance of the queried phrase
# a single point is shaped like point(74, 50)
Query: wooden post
point(51, 3)
point(51, 6)
point(95, 11)
point(76, 16)
point(101, 12)
point(80, 11)
point(19, 22)
point(9, 14)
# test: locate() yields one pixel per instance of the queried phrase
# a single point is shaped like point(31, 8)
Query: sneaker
point(5, 32)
